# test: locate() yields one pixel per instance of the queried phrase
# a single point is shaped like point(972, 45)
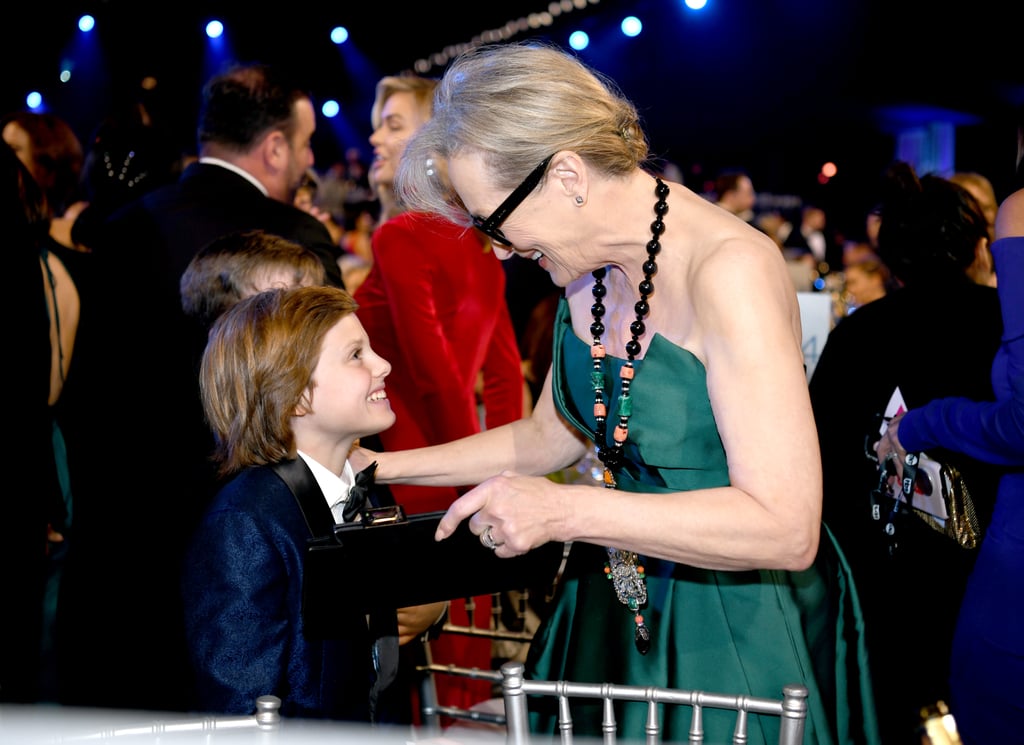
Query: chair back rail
point(791, 708)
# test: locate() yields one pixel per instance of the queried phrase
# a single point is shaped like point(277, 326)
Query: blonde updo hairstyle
point(516, 104)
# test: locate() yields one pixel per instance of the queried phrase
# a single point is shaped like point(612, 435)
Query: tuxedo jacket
point(242, 591)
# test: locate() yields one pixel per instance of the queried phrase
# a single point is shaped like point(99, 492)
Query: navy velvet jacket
point(242, 584)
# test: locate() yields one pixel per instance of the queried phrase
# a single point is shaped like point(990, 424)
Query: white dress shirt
point(241, 172)
point(335, 488)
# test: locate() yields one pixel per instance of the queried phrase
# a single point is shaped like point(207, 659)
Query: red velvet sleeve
point(418, 262)
point(503, 374)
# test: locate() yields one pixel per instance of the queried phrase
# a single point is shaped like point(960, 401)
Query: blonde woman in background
point(434, 305)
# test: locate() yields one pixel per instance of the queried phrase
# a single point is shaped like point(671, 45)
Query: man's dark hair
point(727, 181)
point(244, 102)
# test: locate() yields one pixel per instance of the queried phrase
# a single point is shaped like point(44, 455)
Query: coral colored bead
point(627, 372)
point(621, 434)
point(639, 620)
point(640, 570)
point(607, 570)
point(600, 410)
point(597, 350)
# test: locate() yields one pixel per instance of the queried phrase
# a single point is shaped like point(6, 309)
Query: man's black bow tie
point(358, 494)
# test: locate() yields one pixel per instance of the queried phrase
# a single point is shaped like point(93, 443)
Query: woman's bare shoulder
point(1010, 218)
point(737, 250)
point(741, 276)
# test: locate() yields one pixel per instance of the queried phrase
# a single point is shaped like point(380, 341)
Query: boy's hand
point(415, 620)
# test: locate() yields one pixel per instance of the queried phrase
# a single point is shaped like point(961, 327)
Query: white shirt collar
point(335, 488)
point(232, 167)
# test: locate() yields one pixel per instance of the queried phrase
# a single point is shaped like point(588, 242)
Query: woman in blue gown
point(987, 663)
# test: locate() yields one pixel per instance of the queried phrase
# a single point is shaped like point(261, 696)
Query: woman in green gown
point(703, 564)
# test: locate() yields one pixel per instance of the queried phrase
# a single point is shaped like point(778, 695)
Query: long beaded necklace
point(623, 568)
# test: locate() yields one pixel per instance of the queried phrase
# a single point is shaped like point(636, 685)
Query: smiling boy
point(288, 377)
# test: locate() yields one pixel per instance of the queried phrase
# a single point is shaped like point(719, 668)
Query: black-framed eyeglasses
point(491, 225)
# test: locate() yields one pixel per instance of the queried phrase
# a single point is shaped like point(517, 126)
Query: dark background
point(776, 87)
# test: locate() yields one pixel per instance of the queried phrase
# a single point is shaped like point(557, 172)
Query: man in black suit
point(254, 136)
point(810, 237)
point(139, 446)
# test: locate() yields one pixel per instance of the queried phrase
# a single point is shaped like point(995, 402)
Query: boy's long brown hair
point(258, 364)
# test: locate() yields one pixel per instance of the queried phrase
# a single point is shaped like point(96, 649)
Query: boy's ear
point(305, 404)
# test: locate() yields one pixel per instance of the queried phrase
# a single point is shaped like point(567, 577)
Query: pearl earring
point(579, 199)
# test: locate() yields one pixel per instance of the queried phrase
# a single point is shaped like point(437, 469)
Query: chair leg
point(431, 720)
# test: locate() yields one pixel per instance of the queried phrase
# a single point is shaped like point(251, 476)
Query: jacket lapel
point(299, 479)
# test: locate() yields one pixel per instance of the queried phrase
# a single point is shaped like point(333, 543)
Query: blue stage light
point(330, 109)
point(631, 26)
point(579, 40)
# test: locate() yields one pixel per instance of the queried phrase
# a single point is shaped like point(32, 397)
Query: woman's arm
point(538, 445)
point(992, 432)
point(758, 388)
point(770, 515)
point(64, 307)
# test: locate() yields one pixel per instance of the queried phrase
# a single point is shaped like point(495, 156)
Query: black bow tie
point(358, 494)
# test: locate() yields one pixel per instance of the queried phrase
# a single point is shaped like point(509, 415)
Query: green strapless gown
point(745, 632)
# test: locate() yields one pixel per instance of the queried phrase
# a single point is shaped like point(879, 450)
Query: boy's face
point(348, 397)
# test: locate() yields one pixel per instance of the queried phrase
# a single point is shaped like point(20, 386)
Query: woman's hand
point(889, 448)
point(517, 513)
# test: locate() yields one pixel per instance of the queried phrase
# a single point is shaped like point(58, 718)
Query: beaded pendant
point(623, 568)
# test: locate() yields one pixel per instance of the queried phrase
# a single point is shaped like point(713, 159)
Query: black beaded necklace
point(623, 568)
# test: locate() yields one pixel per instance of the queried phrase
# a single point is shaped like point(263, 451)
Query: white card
point(928, 485)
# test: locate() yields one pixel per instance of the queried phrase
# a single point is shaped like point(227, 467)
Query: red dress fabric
point(434, 306)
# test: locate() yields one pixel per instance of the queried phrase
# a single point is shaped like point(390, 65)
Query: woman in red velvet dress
point(434, 305)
